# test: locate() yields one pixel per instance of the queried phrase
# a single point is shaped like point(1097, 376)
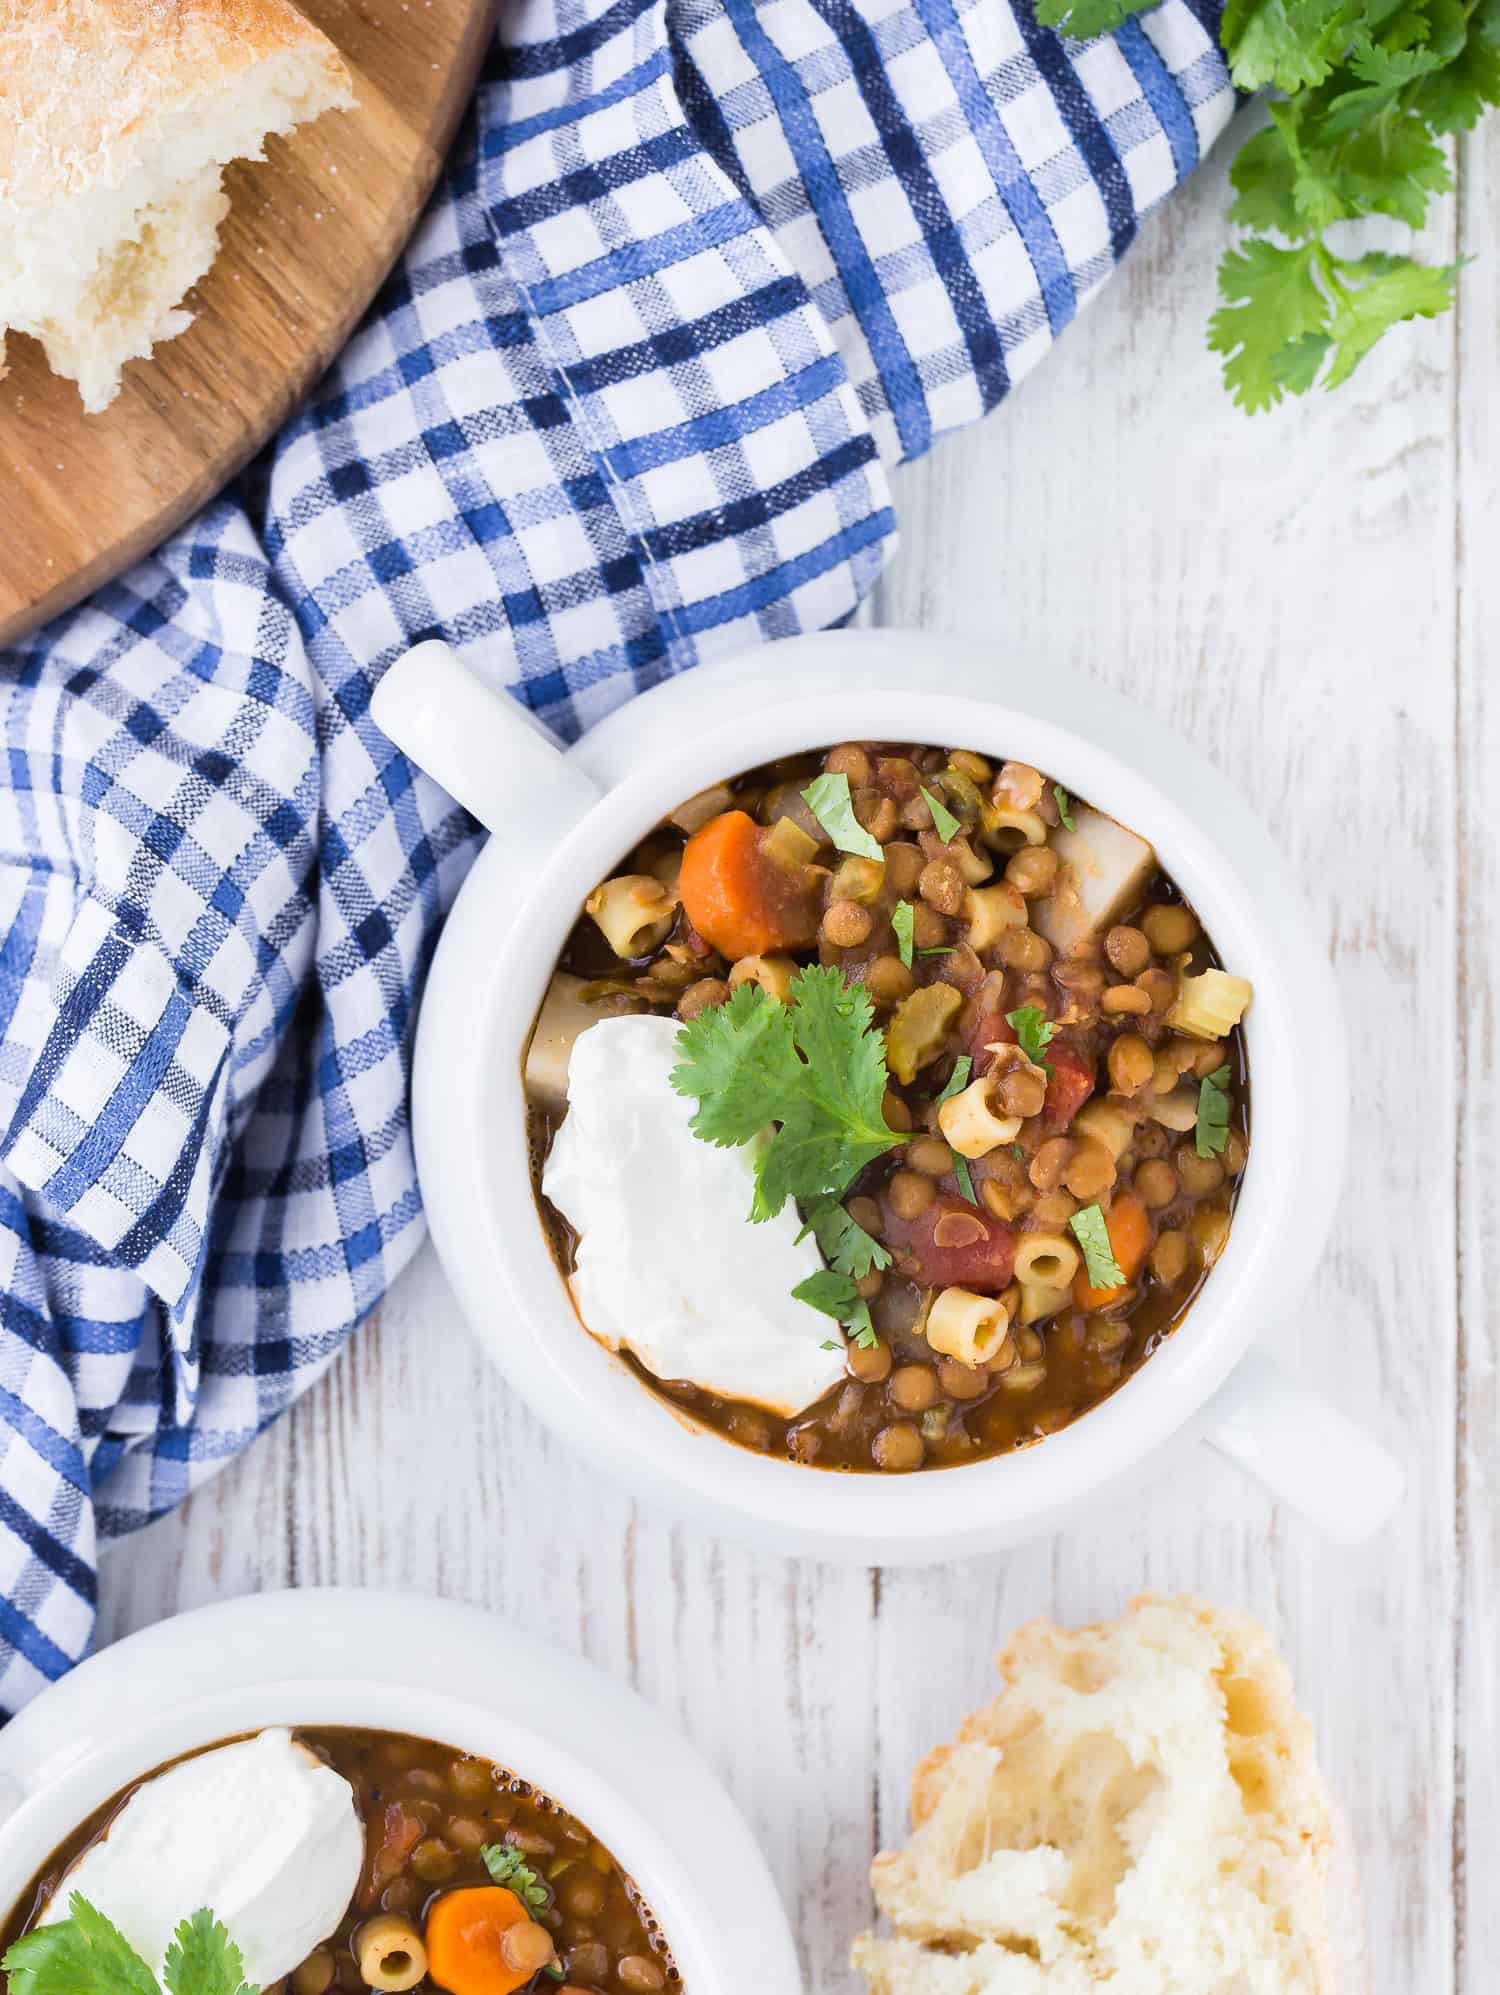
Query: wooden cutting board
point(312, 231)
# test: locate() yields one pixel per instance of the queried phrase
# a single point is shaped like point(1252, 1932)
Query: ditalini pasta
point(634, 913)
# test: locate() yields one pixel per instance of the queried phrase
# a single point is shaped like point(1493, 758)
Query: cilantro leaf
point(843, 1242)
point(1064, 805)
point(1274, 302)
point(203, 1959)
point(860, 1328)
point(83, 1954)
point(830, 802)
point(945, 823)
point(1289, 43)
point(1034, 1032)
point(730, 1054)
point(1211, 1130)
point(903, 921)
point(965, 1181)
point(507, 1866)
point(831, 1293)
point(1453, 99)
point(1264, 177)
point(835, 1295)
point(1083, 19)
point(818, 1071)
point(1395, 288)
point(958, 1080)
point(1092, 1234)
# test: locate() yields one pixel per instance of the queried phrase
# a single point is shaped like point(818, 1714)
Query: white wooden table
point(1311, 597)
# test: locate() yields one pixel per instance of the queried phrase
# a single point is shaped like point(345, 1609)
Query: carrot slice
point(737, 897)
point(1129, 1226)
point(465, 1930)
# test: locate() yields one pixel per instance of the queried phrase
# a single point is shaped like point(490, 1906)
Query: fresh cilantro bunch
point(814, 1065)
point(1369, 90)
point(85, 1954)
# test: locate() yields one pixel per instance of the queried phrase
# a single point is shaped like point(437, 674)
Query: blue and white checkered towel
point(700, 271)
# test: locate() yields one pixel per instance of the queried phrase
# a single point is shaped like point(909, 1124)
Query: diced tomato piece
point(952, 1241)
point(1070, 1085)
point(988, 1031)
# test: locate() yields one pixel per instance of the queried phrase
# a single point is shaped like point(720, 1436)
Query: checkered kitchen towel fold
point(700, 271)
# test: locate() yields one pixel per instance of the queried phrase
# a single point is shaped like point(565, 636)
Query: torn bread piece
point(117, 118)
point(1140, 1811)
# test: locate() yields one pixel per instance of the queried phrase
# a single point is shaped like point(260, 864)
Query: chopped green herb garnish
point(1064, 806)
point(943, 949)
point(842, 1241)
point(815, 1065)
point(958, 1080)
point(1091, 1232)
point(903, 921)
point(85, 1954)
point(506, 1865)
point(837, 1296)
point(830, 802)
point(1211, 1131)
point(1018, 1151)
point(1034, 1032)
point(947, 825)
point(965, 1182)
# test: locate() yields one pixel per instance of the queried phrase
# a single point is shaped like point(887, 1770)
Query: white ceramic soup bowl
point(438, 1671)
point(563, 821)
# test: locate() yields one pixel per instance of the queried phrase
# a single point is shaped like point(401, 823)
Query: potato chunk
point(1104, 872)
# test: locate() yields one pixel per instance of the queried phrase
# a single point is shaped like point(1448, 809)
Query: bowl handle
point(482, 746)
point(1304, 1449)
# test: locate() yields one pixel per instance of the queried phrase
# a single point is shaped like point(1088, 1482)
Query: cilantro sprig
point(815, 1066)
point(1211, 1127)
point(1368, 90)
point(85, 1954)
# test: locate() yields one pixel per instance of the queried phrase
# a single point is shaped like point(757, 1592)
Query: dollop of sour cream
point(669, 1263)
point(260, 1832)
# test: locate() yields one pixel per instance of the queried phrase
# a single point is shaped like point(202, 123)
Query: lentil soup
point(1066, 1086)
point(427, 1813)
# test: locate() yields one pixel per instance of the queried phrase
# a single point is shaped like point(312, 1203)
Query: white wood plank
point(1281, 591)
point(1477, 1188)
